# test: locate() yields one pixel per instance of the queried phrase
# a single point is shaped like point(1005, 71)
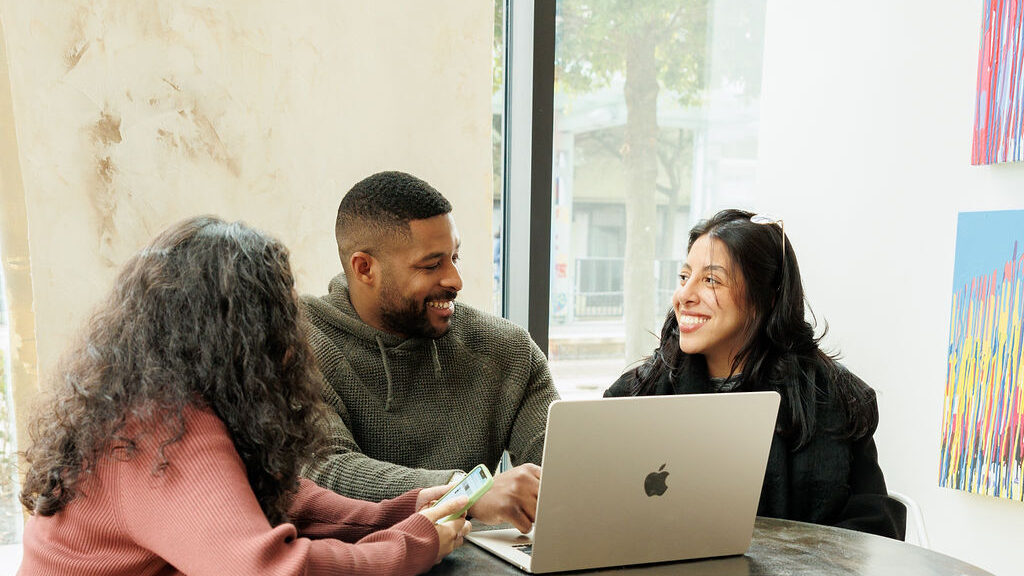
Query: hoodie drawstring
point(387, 371)
point(435, 358)
point(384, 358)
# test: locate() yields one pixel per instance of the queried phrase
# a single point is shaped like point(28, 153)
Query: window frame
point(528, 136)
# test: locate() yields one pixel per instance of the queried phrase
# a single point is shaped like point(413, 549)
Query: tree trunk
point(639, 154)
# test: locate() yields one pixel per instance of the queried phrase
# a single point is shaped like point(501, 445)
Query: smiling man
point(422, 388)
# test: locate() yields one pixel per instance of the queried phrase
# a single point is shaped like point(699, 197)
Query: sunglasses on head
point(770, 220)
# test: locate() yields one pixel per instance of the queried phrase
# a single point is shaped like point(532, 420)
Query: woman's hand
point(451, 534)
point(428, 496)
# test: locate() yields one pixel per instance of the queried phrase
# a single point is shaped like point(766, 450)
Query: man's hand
point(512, 498)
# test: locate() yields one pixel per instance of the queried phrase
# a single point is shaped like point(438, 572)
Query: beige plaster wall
point(133, 115)
point(14, 249)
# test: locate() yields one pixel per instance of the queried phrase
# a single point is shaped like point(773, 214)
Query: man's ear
point(364, 268)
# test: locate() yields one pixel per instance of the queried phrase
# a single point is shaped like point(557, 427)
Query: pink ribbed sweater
point(201, 517)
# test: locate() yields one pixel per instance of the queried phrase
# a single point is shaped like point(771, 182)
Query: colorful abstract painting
point(999, 109)
point(983, 409)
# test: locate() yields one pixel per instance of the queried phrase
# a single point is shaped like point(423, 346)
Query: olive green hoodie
point(409, 412)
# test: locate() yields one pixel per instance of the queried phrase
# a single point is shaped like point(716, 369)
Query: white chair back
point(916, 532)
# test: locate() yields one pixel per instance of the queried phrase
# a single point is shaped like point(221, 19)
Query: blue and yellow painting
point(983, 408)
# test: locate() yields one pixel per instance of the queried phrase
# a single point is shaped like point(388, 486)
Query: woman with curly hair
point(178, 426)
point(738, 324)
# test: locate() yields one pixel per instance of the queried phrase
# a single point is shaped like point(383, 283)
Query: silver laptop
point(644, 479)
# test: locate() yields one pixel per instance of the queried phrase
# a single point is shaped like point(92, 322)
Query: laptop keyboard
point(525, 549)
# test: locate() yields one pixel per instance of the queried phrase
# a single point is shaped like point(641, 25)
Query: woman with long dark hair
point(738, 324)
point(178, 425)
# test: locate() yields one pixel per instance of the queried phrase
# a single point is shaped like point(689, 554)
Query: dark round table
point(779, 548)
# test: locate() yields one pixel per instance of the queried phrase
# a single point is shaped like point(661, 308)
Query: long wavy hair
point(780, 351)
point(206, 316)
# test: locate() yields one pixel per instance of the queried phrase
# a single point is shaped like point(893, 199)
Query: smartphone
point(473, 485)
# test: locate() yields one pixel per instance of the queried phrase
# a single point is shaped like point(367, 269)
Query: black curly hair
point(205, 316)
point(379, 207)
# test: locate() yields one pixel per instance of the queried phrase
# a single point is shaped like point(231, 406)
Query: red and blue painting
point(999, 105)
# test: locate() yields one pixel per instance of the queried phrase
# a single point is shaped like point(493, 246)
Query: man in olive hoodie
point(421, 389)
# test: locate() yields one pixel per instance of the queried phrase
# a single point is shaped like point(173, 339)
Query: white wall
point(865, 152)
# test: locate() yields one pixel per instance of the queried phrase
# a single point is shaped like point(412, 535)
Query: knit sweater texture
point(830, 480)
point(200, 517)
point(409, 412)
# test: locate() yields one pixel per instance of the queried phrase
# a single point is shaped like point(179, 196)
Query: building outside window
point(655, 126)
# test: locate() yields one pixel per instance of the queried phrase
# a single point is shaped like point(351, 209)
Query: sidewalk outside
point(586, 357)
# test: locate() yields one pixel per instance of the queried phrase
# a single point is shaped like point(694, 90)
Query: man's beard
point(408, 317)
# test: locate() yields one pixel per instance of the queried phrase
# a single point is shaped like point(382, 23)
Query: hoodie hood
point(335, 309)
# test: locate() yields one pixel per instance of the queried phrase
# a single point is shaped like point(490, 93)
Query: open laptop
point(644, 479)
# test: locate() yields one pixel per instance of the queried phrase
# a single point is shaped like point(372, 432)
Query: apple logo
point(654, 484)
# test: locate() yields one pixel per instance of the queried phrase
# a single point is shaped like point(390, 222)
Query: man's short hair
point(377, 210)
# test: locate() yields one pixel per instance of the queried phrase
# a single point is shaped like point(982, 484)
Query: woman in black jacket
point(738, 324)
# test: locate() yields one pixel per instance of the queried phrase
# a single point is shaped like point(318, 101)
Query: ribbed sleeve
point(200, 517)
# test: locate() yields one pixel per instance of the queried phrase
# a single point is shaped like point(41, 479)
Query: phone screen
point(466, 487)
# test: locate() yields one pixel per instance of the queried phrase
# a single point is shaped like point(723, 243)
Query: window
point(654, 126)
point(10, 508)
point(655, 122)
point(498, 149)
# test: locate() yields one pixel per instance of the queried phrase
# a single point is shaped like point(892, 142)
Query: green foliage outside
point(655, 44)
point(649, 47)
